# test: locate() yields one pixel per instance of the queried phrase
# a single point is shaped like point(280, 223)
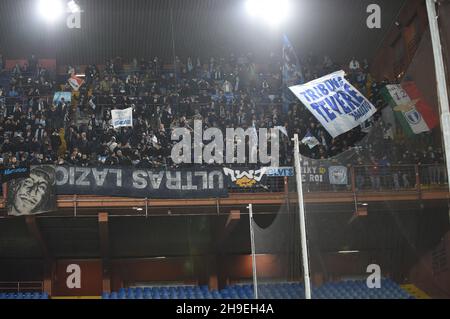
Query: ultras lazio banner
point(337, 105)
point(140, 183)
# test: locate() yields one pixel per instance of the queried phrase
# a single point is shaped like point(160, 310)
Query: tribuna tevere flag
point(411, 110)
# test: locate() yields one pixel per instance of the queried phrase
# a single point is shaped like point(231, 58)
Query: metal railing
point(377, 178)
point(432, 176)
point(365, 178)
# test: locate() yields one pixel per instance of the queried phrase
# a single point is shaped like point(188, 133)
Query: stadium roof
point(143, 28)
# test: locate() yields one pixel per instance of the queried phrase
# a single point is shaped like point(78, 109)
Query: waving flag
point(75, 82)
point(411, 110)
point(310, 140)
point(336, 104)
point(291, 71)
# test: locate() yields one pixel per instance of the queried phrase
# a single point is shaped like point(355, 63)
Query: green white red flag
point(411, 110)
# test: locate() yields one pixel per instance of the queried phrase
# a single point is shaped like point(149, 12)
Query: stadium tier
point(224, 149)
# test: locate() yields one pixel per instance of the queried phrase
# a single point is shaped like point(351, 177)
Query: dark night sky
point(142, 28)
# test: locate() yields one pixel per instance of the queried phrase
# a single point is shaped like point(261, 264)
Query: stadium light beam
point(272, 12)
point(50, 10)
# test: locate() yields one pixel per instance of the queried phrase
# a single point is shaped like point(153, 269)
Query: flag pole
point(440, 79)
point(252, 239)
point(301, 206)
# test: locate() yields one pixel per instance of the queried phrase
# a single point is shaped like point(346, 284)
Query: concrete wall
point(424, 276)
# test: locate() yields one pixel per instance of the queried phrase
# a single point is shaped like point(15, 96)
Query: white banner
point(122, 118)
point(335, 103)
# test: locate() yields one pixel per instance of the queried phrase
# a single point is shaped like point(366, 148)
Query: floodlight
point(272, 12)
point(73, 6)
point(50, 10)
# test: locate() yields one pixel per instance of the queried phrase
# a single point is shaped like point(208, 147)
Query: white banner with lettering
point(122, 118)
point(335, 103)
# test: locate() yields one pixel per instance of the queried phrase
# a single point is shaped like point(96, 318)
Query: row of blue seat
point(354, 289)
point(23, 295)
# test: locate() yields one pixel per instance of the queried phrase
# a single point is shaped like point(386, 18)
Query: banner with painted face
point(34, 194)
point(140, 183)
point(336, 104)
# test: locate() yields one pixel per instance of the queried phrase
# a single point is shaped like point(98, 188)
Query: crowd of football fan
point(234, 92)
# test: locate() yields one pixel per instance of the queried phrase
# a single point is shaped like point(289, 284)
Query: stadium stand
point(389, 208)
point(36, 130)
point(350, 289)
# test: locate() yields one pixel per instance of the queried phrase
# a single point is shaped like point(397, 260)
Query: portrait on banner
point(34, 194)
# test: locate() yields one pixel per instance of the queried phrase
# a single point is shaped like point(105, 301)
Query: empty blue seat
point(147, 295)
point(350, 289)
